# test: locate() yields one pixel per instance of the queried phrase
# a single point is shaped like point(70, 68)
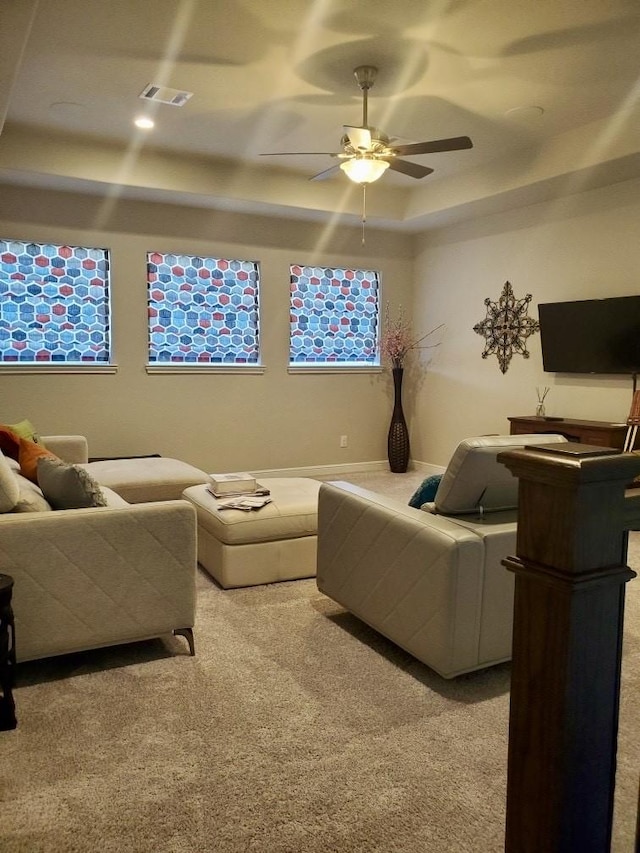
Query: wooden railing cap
point(595, 465)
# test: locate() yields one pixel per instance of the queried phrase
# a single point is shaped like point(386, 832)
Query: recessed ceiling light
point(144, 123)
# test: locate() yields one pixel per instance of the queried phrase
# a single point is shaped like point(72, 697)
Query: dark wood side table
point(600, 433)
point(7, 655)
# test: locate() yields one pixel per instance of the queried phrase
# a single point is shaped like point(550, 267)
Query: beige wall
point(218, 422)
point(584, 246)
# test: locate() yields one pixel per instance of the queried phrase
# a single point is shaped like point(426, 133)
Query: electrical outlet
point(343, 441)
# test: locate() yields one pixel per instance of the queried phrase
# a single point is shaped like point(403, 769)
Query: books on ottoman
point(247, 503)
point(232, 484)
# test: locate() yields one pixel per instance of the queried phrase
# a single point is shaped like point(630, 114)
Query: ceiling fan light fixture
point(364, 170)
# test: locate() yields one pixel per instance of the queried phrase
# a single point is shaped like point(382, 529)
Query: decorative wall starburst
point(506, 327)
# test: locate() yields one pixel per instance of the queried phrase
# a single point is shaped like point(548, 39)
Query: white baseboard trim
point(326, 471)
point(428, 468)
point(323, 470)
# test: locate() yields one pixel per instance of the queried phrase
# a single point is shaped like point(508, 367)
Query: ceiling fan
point(367, 152)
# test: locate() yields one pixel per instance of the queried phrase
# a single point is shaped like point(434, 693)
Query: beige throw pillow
point(68, 486)
point(31, 498)
point(9, 488)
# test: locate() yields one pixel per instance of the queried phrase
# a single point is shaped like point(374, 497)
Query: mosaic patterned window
point(54, 304)
point(202, 310)
point(334, 316)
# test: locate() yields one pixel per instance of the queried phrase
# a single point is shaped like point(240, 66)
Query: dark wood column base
point(567, 646)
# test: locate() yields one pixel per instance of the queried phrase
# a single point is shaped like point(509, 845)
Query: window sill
point(339, 368)
point(245, 369)
point(58, 368)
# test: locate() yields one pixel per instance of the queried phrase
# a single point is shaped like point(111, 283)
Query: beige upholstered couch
point(430, 579)
point(96, 576)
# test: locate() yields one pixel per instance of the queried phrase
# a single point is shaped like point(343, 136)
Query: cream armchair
point(430, 579)
point(97, 576)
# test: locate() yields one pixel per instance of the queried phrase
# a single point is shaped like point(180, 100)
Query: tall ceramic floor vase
point(398, 439)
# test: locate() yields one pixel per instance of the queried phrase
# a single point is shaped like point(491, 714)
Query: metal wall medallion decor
point(506, 327)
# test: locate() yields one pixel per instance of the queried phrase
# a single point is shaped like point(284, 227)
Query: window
point(202, 311)
point(54, 304)
point(334, 316)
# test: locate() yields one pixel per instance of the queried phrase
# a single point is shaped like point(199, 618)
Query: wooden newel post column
point(568, 612)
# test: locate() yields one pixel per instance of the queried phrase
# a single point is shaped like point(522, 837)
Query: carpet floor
point(295, 729)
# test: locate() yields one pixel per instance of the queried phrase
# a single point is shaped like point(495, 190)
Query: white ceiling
point(277, 75)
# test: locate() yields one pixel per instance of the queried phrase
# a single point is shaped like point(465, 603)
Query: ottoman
point(155, 478)
point(275, 543)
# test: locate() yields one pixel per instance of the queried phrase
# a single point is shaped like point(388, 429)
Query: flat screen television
point(591, 335)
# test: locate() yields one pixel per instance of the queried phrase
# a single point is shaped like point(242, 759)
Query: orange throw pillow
point(28, 457)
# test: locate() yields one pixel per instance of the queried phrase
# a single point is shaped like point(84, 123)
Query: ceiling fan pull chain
point(364, 209)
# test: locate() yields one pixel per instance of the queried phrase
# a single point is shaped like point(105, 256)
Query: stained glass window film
point(202, 310)
point(334, 315)
point(54, 304)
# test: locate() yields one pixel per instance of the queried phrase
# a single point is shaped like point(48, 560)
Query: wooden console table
point(601, 433)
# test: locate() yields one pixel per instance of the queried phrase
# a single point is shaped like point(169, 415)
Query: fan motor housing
point(379, 141)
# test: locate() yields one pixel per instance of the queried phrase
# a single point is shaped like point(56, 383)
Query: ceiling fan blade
point(327, 173)
point(296, 153)
point(359, 137)
point(414, 170)
point(456, 143)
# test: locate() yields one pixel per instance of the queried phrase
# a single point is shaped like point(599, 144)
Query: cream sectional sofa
point(430, 579)
point(96, 576)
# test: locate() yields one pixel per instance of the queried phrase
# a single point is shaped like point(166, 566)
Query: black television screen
point(591, 335)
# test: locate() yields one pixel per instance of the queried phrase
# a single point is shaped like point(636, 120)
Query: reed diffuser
point(540, 409)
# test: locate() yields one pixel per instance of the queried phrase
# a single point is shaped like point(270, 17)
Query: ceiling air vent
point(165, 95)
